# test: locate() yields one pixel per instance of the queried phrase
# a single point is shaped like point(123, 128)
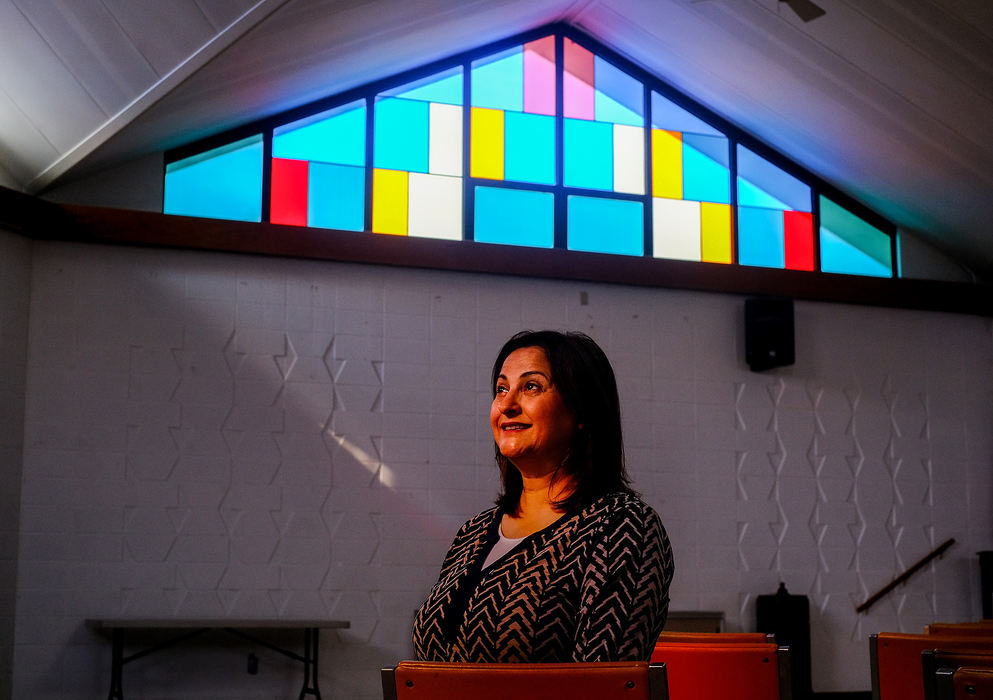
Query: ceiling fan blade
point(804, 9)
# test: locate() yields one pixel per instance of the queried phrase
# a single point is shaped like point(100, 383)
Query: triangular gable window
point(549, 140)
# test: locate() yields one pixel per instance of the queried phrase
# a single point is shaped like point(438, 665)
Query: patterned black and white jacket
point(592, 586)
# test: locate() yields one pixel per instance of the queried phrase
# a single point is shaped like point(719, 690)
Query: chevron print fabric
point(593, 586)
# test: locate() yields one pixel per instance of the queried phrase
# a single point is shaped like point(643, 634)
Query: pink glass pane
point(539, 76)
point(577, 90)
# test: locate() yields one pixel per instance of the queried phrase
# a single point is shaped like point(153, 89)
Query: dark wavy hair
point(584, 378)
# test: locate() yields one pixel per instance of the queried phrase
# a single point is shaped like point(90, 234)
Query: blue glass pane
point(498, 82)
point(606, 226)
point(331, 137)
point(445, 88)
point(761, 237)
point(402, 130)
point(515, 217)
point(706, 177)
point(837, 255)
point(589, 154)
point(762, 184)
point(529, 145)
point(336, 197)
point(224, 183)
point(619, 98)
point(668, 115)
point(750, 195)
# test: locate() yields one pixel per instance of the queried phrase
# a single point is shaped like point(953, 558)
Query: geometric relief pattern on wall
point(834, 490)
point(229, 473)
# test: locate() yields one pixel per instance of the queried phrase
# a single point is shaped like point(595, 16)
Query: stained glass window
point(546, 141)
point(221, 183)
point(318, 170)
point(513, 114)
point(775, 223)
point(604, 121)
point(691, 186)
point(417, 170)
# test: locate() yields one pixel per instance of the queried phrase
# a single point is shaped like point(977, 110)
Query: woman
point(570, 565)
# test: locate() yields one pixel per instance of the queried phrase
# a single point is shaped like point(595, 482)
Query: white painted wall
point(211, 434)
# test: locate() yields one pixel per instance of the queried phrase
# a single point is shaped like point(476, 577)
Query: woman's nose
point(508, 403)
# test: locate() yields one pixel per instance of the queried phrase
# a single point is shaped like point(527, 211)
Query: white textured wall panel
point(226, 435)
point(15, 288)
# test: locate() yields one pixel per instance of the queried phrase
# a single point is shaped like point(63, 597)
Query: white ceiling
point(888, 100)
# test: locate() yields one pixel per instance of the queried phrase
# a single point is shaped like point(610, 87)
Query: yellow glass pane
point(486, 151)
point(667, 164)
point(389, 201)
point(715, 228)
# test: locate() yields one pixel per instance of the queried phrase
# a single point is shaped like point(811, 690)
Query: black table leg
point(116, 664)
point(310, 651)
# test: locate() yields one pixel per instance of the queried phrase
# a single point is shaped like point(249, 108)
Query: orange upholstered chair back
point(741, 670)
point(895, 659)
point(625, 680)
point(939, 665)
point(973, 684)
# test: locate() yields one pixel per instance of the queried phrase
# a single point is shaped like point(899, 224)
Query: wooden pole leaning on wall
point(902, 578)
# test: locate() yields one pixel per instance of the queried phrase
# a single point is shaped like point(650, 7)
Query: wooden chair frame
point(648, 680)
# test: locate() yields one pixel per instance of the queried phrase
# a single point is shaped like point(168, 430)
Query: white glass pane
point(435, 206)
point(445, 142)
point(629, 159)
point(676, 229)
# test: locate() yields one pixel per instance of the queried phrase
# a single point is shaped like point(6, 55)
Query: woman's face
point(531, 424)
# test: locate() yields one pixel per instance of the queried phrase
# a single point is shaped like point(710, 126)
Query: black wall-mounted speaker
point(769, 333)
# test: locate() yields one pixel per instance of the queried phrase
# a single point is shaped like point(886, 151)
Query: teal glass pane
point(337, 136)
point(589, 154)
point(668, 115)
point(336, 197)
point(515, 217)
point(599, 225)
point(761, 237)
point(619, 98)
point(498, 81)
point(837, 255)
point(762, 184)
point(445, 88)
point(706, 176)
point(401, 136)
point(851, 245)
point(529, 148)
point(223, 183)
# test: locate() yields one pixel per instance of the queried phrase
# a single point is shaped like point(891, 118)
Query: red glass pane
point(798, 227)
point(288, 203)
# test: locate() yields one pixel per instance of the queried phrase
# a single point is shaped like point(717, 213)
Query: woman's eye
point(501, 390)
point(532, 386)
